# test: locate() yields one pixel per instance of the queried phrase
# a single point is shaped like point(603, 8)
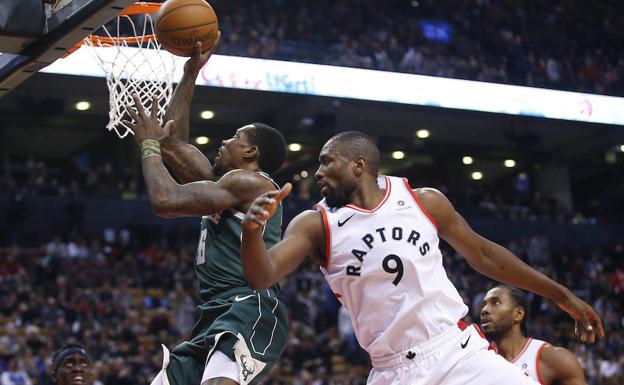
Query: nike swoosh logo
point(238, 298)
point(463, 345)
point(340, 224)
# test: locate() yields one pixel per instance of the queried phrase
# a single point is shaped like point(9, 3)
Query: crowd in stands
point(571, 45)
point(74, 178)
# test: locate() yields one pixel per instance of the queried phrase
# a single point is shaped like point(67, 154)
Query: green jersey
point(218, 263)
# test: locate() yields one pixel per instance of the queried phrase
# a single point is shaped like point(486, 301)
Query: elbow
point(163, 209)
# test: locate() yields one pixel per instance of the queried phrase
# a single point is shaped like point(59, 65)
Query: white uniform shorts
point(456, 357)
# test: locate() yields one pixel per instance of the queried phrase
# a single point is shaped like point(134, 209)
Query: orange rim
point(134, 9)
point(105, 40)
point(140, 7)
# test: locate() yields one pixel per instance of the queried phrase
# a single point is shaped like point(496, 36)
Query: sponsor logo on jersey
point(401, 205)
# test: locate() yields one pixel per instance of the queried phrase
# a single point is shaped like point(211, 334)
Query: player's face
point(333, 177)
point(76, 369)
point(230, 155)
point(497, 313)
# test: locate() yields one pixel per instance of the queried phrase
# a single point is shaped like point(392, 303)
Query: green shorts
point(250, 327)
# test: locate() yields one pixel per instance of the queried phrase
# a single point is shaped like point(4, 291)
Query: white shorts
point(454, 358)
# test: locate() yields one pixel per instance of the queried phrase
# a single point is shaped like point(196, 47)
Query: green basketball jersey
point(218, 263)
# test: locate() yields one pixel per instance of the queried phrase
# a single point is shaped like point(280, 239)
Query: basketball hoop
point(133, 62)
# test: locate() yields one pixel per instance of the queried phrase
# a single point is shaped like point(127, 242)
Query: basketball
point(180, 24)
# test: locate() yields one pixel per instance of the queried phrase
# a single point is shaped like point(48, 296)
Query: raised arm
point(496, 262)
point(235, 189)
point(185, 160)
point(180, 106)
point(303, 237)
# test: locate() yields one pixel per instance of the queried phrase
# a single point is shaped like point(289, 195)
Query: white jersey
point(528, 358)
point(385, 267)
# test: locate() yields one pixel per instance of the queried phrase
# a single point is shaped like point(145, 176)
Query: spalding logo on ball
point(180, 24)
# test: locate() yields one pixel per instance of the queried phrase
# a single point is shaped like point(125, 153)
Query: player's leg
point(220, 370)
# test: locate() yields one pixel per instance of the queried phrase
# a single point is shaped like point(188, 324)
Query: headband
point(66, 353)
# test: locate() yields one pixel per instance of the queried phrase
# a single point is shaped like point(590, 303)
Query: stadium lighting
point(202, 140)
point(423, 134)
point(467, 160)
point(509, 163)
point(206, 115)
point(304, 174)
point(294, 147)
point(83, 105)
point(297, 177)
point(621, 147)
point(398, 155)
point(477, 175)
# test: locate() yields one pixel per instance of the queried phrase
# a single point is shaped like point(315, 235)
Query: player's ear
point(518, 314)
point(54, 377)
point(358, 164)
point(252, 152)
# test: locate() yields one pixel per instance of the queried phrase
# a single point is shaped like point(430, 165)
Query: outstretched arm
point(263, 268)
point(170, 199)
point(496, 262)
point(185, 160)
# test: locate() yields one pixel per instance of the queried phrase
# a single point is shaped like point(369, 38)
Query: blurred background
point(83, 258)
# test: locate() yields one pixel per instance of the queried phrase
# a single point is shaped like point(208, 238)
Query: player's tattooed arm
point(187, 163)
point(236, 189)
point(180, 106)
point(498, 263)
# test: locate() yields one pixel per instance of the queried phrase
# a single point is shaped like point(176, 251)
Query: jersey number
point(392, 264)
point(200, 258)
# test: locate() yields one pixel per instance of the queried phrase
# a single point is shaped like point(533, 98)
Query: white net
point(133, 63)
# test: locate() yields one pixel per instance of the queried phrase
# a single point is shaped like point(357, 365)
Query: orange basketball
point(180, 24)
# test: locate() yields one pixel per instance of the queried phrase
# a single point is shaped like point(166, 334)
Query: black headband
point(66, 353)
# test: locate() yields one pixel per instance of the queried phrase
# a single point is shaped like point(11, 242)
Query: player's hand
point(147, 126)
point(264, 206)
point(199, 59)
point(588, 324)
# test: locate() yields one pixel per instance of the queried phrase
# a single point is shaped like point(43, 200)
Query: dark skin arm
point(169, 199)
point(559, 366)
point(498, 263)
point(303, 237)
point(187, 162)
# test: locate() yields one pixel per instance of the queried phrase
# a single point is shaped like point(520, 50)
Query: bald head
point(353, 144)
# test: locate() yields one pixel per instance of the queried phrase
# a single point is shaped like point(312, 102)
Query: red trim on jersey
point(338, 296)
point(526, 345)
point(420, 205)
point(327, 234)
point(383, 200)
point(537, 363)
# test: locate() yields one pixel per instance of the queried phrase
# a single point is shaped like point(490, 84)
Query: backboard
point(66, 23)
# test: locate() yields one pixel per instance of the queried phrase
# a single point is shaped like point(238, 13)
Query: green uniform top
point(218, 263)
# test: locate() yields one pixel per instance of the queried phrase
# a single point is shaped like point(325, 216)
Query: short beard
point(495, 334)
point(337, 198)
